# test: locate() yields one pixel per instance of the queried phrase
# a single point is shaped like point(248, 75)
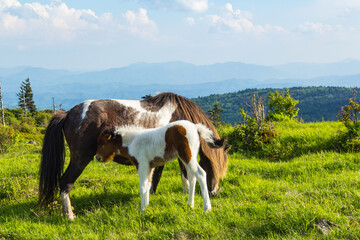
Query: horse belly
point(157, 162)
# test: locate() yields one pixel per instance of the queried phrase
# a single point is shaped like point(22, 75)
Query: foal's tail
point(52, 159)
point(208, 136)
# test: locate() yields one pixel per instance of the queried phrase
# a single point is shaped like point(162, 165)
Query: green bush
point(12, 117)
point(27, 125)
point(250, 135)
point(42, 118)
point(282, 106)
point(7, 138)
point(350, 140)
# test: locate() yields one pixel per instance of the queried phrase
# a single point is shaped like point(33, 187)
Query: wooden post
point(2, 108)
point(54, 109)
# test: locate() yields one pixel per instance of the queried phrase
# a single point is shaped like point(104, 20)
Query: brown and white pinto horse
point(82, 125)
point(153, 147)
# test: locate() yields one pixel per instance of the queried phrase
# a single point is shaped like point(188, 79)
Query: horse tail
point(52, 159)
point(208, 136)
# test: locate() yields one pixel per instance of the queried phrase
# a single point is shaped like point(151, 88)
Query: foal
point(150, 148)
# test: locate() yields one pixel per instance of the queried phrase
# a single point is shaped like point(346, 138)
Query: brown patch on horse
point(156, 162)
point(214, 160)
point(124, 151)
point(175, 140)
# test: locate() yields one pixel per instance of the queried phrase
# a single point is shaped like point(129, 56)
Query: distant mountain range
point(136, 80)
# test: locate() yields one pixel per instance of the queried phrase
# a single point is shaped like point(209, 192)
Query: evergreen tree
point(215, 114)
point(147, 96)
point(25, 95)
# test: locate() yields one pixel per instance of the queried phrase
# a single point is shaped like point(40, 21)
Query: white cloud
point(187, 5)
point(194, 5)
point(235, 20)
point(311, 27)
point(140, 24)
point(8, 3)
point(190, 21)
point(58, 22)
point(54, 21)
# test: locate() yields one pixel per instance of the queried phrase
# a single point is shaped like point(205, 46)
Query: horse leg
point(212, 182)
point(191, 187)
point(144, 172)
point(72, 172)
point(184, 177)
point(156, 178)
point(149, 184)
point(200, 175)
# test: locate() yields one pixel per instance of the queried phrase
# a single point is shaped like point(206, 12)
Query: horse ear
point(107, 136)
point(227, 149)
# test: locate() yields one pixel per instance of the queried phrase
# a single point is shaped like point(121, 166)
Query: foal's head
point(108, 144)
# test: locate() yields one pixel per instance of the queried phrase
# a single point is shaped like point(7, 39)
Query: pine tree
point(215, 114)
point(147, 96)
point(25, 95)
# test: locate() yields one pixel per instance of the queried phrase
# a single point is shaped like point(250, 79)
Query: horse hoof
point(71, 217)
point(207, 209)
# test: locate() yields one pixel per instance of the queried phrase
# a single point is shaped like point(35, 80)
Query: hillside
point(315, 103)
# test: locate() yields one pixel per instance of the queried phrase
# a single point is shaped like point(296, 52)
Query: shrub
point(282, 106)
point(350, 141)
point(27, 125)
point(250, 135)
point(7, 138)
point(42, 118)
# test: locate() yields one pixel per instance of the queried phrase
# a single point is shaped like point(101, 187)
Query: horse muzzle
point(99, 158)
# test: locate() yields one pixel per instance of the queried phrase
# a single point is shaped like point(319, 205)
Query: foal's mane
point(128, 129)
point(187, 109)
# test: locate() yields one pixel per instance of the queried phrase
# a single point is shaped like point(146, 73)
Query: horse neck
point(129, 133)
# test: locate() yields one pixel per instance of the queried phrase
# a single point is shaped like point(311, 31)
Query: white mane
point(128, 129)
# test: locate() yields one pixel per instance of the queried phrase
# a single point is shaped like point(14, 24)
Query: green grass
point(259, 199)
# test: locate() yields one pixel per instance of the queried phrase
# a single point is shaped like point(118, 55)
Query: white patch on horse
point(163, 115)
point(131, 133)
point(65, 201)
point(86, 104)
point(131, 103)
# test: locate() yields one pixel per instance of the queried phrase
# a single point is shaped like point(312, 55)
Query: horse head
point(108, 144)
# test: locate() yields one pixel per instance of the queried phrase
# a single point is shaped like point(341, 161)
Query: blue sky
point(92, 35)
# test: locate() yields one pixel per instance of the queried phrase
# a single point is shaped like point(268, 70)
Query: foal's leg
point(200, 175)
point(143, 172)
point(191, 187)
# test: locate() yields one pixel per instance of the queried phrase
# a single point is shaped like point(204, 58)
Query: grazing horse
point(82, 125)
point(153, 147)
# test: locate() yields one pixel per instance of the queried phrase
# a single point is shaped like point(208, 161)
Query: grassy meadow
point(260, 198)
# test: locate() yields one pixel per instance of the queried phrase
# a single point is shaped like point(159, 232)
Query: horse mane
point(188, 110)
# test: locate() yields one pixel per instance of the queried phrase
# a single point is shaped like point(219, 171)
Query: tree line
point(315, 103)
